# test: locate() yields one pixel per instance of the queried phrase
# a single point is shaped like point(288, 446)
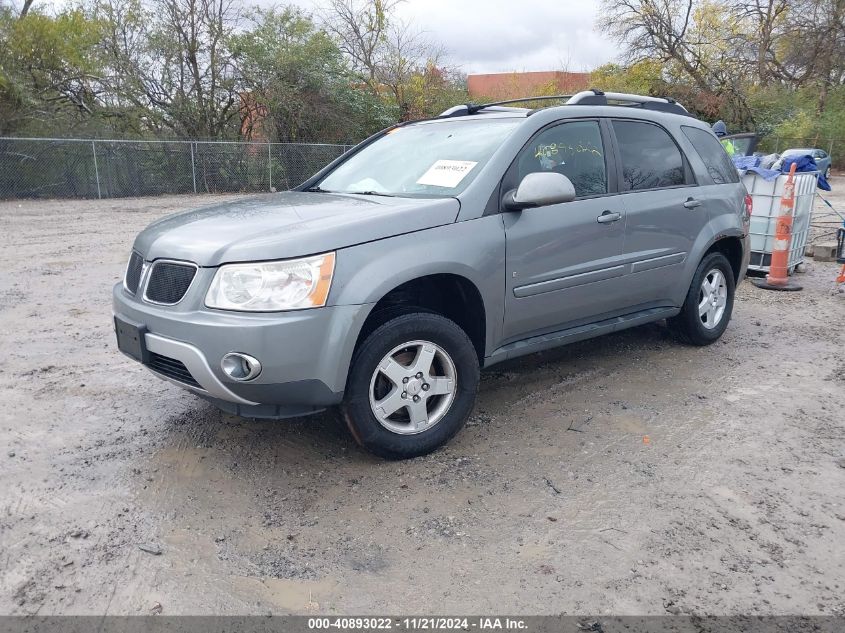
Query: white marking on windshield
point(446, 173)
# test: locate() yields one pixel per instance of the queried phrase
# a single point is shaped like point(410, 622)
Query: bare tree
point(816, 54)
point(662, 29)
point(793, 42)
point(764, 24)
point(172, 59)
point(389, 55)
point(361, 28)
point(410, 68)
point(27, 4)
point(692, 37)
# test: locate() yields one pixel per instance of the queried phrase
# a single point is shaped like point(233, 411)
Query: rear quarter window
point(713, 155)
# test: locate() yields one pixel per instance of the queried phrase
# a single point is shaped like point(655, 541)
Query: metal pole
point(270, 164)
point(96, 169)
point(193, 168)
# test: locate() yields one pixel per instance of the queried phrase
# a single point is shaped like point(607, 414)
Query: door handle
point(608, 216)
point(692, 203)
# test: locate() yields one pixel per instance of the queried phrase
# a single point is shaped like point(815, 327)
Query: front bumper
point(304, 354)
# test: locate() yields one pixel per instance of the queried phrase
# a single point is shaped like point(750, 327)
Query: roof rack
point(473, 108)
point(587, 97)
point(597, 97)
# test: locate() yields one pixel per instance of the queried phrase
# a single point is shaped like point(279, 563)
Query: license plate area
point(130, 339)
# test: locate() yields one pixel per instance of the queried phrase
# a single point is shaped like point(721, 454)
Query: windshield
point(437, 159)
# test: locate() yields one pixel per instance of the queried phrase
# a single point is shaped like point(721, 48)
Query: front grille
point(169, 281)
point(133, 272)
point(172, 368)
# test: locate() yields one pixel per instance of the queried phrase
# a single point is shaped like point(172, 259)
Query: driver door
point(564, 261)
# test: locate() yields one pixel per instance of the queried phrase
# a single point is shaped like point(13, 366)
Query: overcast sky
point(485, 36)
point(488, 36)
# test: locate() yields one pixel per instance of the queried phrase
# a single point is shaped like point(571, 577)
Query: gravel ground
point(623, 475)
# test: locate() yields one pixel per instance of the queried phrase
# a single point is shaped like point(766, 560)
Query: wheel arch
point(448, 294)
point(468, 254)
point(732, 248)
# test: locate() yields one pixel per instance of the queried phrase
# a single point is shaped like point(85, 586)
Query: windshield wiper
point(371, 193)
point(318, 189)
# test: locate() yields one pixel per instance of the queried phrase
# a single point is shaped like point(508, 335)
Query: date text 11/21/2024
point(418, 623)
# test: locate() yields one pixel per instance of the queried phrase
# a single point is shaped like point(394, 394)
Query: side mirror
point(540, 189)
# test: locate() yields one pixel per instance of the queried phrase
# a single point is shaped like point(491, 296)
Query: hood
point(289, 224)
point(720, 129)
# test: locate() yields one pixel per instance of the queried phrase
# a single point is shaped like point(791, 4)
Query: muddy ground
point(624, 475)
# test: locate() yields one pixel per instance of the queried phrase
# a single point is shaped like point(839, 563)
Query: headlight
point(292, 284)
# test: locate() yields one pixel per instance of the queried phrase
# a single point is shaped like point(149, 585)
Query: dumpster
point(765, 196)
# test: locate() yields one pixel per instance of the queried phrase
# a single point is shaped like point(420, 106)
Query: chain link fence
point(85, 168)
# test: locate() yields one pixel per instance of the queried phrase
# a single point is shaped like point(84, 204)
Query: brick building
point(513, 85)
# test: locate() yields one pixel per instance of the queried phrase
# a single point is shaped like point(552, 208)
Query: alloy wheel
point(413, 387)
point(712, 298)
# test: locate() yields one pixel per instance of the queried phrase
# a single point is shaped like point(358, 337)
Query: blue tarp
point(752, 163)
point(804, 163)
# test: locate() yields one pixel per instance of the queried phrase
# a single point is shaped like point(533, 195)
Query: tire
point(429, 414)
point(827, 174)
point(691, 325)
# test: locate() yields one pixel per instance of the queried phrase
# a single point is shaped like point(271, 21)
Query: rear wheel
point(709, 302)
point(411, 386)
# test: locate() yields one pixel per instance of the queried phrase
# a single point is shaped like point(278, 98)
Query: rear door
point(665, 213)
point(743, 144)
point(563, 261)
point(719, 186)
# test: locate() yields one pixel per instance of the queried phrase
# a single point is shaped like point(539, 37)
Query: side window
point(715, 158)
point(650, 158)
point(573, 149)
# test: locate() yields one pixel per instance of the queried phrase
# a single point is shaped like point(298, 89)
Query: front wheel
point(411, 386)
point(827, 174)
point(709, 302)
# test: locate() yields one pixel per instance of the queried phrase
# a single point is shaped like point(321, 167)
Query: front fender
point(474, 249)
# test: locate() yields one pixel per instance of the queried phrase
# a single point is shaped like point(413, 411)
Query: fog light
point(240, 367)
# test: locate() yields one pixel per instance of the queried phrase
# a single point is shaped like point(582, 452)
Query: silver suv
point(433, 249)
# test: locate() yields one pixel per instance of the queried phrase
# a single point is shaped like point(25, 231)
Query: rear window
point(650, 158)
point(715, 158)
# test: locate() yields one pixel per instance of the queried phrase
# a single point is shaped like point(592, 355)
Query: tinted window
point(719, 165)
point(573, 149)
point(650, 158)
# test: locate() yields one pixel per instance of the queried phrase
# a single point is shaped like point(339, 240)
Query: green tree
point(644, 77)
point(299, 79)
point(50, 70)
